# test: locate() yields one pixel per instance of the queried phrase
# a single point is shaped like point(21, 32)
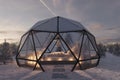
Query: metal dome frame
point(55, 34)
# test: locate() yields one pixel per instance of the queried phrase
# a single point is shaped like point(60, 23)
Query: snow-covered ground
point(108, 69)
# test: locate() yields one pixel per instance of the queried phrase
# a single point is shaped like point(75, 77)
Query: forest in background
point(8, 51)
point(111, 48)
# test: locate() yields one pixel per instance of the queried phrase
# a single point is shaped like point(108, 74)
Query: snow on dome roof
point(58, 24)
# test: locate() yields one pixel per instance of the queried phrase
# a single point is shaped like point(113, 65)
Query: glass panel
point(93, 41)
point(94, 61)
point(73, 40)
point(49, 25)
point(28, 64)
point(88, 64)
point(85, 50)
point(66, 25)
point(42, 40)
point(27, 48)
point(23, 39)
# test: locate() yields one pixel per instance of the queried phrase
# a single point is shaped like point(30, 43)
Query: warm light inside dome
point(60, 59)
point(49, 59)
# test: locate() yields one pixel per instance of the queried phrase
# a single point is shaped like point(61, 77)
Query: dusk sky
point(100, 17)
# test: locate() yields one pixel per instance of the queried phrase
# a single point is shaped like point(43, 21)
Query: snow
point(108, 69)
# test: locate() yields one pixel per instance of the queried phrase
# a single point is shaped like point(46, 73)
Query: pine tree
point(6, 52)
point(102, 49)
point(116, 50)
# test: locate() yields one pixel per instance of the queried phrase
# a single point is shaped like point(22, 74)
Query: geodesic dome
point(58, 41)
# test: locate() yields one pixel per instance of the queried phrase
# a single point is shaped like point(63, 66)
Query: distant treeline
point(112, 48)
